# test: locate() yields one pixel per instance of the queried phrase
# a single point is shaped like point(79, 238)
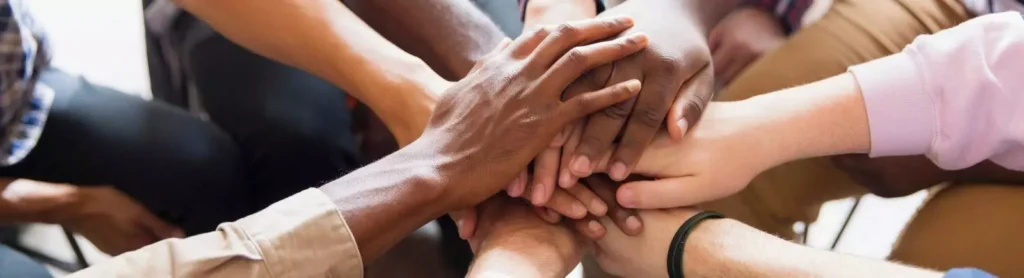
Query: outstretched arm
point(953, 96)
point(326, 39)
point(728, 248)
point(451, 36)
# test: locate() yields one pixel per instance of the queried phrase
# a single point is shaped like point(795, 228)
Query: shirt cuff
point(302, 235)
point(967, 273)
point(901, 114)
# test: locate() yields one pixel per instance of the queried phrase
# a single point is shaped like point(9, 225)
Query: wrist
point(404, 98)
point(726, 247)
point(818, 119)
point(517, 256)
point(544, 12)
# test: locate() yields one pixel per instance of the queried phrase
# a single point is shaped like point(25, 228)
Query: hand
point(716, 159)
point(114, 222)
point(512, 239)
point(677, 76)
point(644, 255)
point(489, 125)
point(740, 38)
point(575, 203)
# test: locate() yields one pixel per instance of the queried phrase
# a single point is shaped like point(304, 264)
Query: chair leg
point(856, 202)
point(77, 248)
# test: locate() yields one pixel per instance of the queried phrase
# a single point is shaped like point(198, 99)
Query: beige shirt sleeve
point(302, 236)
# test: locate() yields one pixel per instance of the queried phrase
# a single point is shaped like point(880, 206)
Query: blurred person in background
point(119, 170)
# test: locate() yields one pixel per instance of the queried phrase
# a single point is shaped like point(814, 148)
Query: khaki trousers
point(963, 225)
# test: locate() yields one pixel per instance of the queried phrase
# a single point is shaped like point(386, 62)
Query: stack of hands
point(597, 178)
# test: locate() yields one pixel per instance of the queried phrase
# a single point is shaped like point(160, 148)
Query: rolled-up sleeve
point(302, 236)
point(956, 96)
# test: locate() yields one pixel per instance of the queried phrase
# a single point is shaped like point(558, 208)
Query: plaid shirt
point(24, 105)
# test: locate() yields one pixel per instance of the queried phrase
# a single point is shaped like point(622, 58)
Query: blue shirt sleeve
point(967, 273)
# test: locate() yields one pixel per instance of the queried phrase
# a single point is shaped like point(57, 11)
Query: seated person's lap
point(178, 166)
point(852, 32)
point(976, 225)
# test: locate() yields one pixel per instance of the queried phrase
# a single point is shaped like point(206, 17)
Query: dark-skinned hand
point(489, 125)
point(678, 82)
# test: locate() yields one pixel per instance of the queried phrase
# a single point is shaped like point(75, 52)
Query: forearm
point(326, 39)
point(819, 119)
point(540, 260)
point(23, 201)
point(451, 36)
point(728, 248)
point(545, 12)
point(389, 199)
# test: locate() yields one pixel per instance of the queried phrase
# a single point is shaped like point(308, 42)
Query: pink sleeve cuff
point(901, 114)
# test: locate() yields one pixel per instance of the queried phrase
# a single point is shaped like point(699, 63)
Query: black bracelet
point(675, 251)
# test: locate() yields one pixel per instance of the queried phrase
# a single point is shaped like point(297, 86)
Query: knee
point(303, 143)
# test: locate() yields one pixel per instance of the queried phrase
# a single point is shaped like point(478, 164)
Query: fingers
point(565, 177)
point(651, 108)
point(548, 215)
point(626, 219)
point(565, 204)
point(595, 205)
point(590, 227)
point(693, 98)
point(588, 103)
point(602, 128)
point(668, 193)
point(465, 220)
point(582, 59)
point(568, 35)
point(545, 170)
point(517, 187)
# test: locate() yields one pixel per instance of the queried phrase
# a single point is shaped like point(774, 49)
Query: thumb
point(669, 193)
point(693, 97)
point(465, 220)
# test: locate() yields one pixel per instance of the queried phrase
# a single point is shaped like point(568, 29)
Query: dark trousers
point(293, 129)
point(180, 167)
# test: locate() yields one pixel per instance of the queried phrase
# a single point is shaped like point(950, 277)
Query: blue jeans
point(14, 264)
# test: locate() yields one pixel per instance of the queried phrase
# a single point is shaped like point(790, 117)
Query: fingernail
point(626, 198)
point(594, 226)
point(538, 193)
point(581, 166)
point(639, 38)
point(552, 213)
point(632, 223)
point(683, 126)
point(624, 20)
point(599, 207)
point(633, 85)
point(565, 180)
point(177, 233)
point(619, 171)
point(578, 210)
